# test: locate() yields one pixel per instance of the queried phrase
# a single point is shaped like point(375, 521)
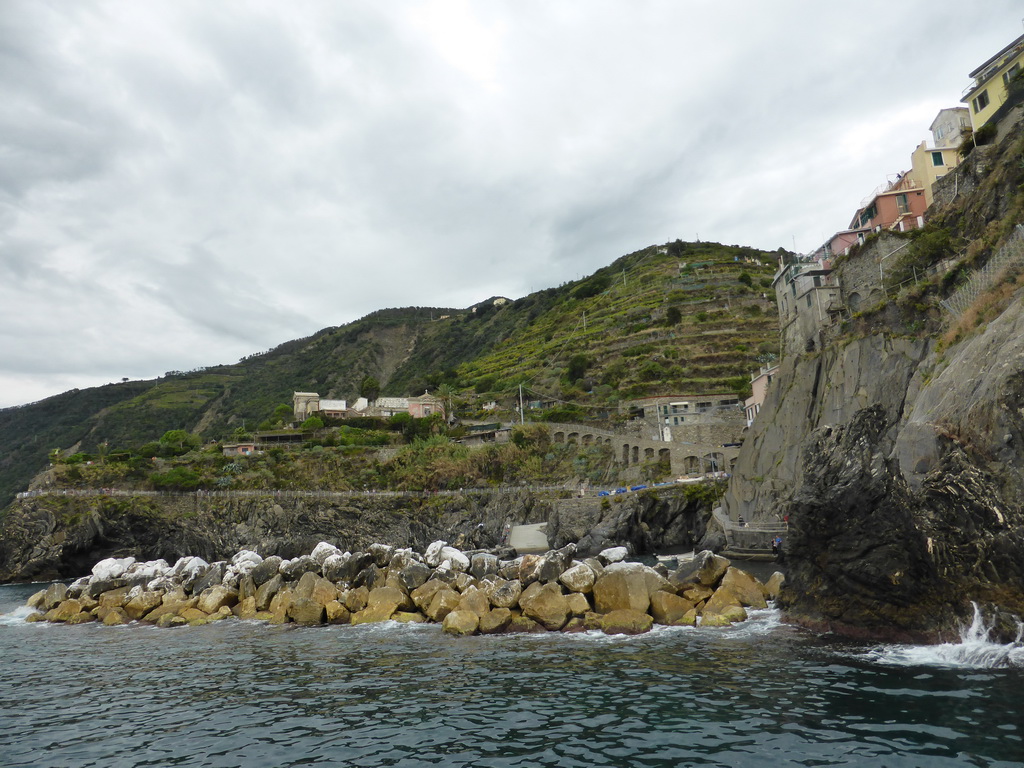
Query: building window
point(1010, 74)
point(980, 101)
point(937, 159)
point(901, 204)
point(808, 299)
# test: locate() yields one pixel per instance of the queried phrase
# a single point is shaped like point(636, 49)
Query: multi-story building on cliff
point(993, 83)
point(898, 205)
point(808, 298)
point(931, 163)
point(759, 384)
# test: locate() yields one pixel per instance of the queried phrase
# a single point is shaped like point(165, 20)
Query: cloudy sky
point(184, 183)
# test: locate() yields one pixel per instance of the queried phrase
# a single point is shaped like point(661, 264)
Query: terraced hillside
point(675, 318)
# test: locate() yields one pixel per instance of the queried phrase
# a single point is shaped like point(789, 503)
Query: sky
point(184, 183)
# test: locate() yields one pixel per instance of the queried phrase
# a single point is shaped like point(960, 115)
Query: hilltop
point(673, 318)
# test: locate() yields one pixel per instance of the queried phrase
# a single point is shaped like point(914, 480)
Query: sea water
point(246, 694)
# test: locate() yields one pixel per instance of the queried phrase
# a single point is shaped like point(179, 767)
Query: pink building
point(898, 205)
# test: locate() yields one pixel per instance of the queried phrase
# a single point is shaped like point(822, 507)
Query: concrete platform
point(529, 539)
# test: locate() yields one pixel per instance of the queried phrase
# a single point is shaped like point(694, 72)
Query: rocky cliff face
point(62, 536)
point(901, 473)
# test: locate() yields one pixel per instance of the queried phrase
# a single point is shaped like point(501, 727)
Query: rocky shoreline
point(472, 592)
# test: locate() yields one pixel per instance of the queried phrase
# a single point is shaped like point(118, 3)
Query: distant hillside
point(679, 318)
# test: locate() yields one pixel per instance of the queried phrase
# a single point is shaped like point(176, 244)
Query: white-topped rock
point(460, 563)
point(111, 568)
point(322, 551)
point(433, 554)
point(613, 554)
point(149, 570)
point(245, 560)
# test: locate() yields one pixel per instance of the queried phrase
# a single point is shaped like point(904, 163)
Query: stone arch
point(588, 439)
point(572, 437)
point(854, 300)
point(648, 454)
point(691, 465)
point(558, 437)
point(636, 454)
point(664, 454)
point(625, 453)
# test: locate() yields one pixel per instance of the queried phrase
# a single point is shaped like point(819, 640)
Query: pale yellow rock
point(669, 609)
point(424, 594)
point(626, 621)
point(305, 610)
point(460, 623)
point(212, 599)
point(356, 599)
point(474, 599)
point(191, 614)
point(64, 611)
point(578, 604)
point(546, 605)
point(444, 602)
point(337, 613)
point(142, 604)
point(620, 590)
point(37, 601)
point(81, 618)
point(494, 621)
point(747, 589)
point(114, 598)
point(773, 585)
point(114, 617)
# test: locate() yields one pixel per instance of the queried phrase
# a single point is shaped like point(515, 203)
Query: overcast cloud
point(186, 183)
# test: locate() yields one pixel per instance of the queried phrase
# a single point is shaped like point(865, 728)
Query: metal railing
point(982, 279)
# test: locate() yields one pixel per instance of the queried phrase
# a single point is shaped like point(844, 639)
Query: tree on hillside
point(282, 414)
point(369, 388)
point(578, 365)
point(178, 441)
point(673, 316)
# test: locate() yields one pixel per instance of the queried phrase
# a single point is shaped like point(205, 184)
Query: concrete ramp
point(529, 539)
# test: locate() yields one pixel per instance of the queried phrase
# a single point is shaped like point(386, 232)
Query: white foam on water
point(975, 650)
point(17, 616)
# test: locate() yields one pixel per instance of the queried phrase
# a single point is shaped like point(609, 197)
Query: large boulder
point(413, 575)
point(495, 620)
point(460, 623)
point(211, 576)
point(459, 562)
point(322, 551)
point(54, 595)
point(622, 586)
point(305, 611)
point(554, 563)
point(579, 578)
point(111, 568)
point(432, 555)
point(333, 567)
point(64, 611)
point(773, 585)
point(355, 599)
point(529, 569)
point(578, 603)
point(723, 607)
point(475, 600)
point(707, 568)
point(747, 589)
point(503, 593)
point(266, 570)
point(422, 595)
point(546, 605)
point(443, 602)
point(293, 569)
point(626, 621)
point(213, 598)
point(142, 604)
point(612, 555)
point(381, 603)
point(381, 554)
point(483, 564)
point(266, 591)
point(669, 609)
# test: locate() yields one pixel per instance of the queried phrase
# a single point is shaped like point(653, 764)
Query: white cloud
point(184, 183)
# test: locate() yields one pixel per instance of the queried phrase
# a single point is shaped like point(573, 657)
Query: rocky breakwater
point(466, 592)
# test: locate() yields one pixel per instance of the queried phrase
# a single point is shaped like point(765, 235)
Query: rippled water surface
point(245, 694)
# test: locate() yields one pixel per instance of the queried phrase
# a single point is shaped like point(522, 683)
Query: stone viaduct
point(684, 458)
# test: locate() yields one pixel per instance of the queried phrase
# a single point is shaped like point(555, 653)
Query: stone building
point(716, 419)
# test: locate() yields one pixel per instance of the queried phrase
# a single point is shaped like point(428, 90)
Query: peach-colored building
point(898, 205)
point(759, 386)
point(425, 405)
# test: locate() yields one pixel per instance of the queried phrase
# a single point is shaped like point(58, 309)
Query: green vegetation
point(669, 319)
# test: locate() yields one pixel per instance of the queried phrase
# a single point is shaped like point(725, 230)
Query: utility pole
point(522, 413)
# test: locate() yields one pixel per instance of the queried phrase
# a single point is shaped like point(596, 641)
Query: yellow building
point(992, 81)
point(931, 163)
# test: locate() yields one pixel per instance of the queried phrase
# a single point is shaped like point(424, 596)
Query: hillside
point(682, 317)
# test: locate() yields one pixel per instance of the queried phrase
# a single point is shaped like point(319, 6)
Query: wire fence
point(1009, 256)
